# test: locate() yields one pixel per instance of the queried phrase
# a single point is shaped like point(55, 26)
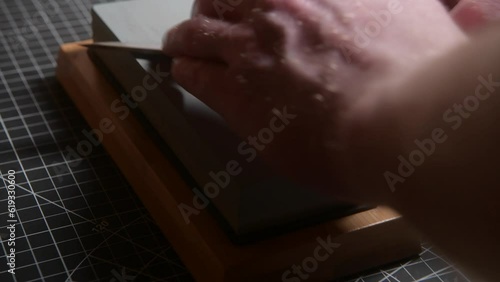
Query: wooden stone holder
point(363, 241)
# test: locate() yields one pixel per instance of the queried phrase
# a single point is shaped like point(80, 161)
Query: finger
point(210, 82)
point(450, 4)
point(227, 10)
point(473, 14)
point(300, 11)
point(283, 23)
point(204, 38)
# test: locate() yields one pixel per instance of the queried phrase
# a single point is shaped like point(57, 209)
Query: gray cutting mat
point(84, 223)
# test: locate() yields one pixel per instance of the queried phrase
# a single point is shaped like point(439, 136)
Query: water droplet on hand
point(319, 97)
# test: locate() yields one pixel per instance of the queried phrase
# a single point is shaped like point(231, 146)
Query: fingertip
point(190, 73)
point(168, 41)
point(202, 38)
point(472, 14)
point(468, 15)
point(181, 69)
point(206, 80)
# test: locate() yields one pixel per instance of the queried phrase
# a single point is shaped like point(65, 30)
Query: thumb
point(474, 14)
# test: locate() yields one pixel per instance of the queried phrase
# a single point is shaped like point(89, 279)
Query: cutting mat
point(78, 219)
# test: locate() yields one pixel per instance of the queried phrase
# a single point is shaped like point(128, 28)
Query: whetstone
point(364, 240)
point(254, 203)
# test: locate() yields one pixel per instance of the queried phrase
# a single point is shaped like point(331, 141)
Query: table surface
point(78, 219)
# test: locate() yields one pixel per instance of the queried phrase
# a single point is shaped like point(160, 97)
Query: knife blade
point(139, 50)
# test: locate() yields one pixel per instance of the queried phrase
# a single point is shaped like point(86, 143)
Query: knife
point(139, 50)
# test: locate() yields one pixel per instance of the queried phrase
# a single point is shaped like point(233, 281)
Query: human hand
point(310, 60)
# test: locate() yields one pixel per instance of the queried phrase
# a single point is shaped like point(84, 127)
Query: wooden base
point(362, 241)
